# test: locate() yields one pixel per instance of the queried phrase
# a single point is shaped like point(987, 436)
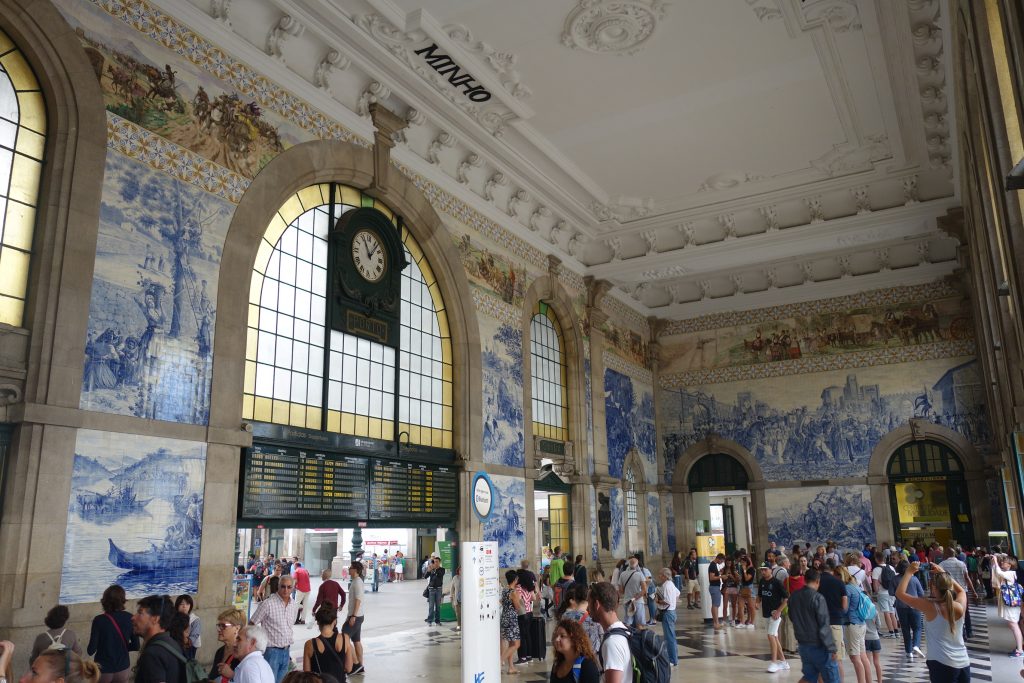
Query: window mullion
point(328, 317)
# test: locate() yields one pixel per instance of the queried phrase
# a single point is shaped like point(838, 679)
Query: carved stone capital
point(385, 124)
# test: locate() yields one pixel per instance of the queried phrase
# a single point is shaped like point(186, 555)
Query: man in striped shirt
point(276, 615)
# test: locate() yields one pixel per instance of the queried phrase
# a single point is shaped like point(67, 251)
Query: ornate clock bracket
point(385, 124)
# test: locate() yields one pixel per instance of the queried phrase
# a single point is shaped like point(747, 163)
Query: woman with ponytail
point(943, 613)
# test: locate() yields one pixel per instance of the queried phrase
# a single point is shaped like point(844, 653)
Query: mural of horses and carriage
point(188, 108)
point(822, 333)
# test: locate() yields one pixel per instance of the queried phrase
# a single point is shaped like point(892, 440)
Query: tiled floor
point(397, 641)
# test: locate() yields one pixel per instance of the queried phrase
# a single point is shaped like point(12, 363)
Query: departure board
point(400, 489)
point(295, 483)
point(281, 483)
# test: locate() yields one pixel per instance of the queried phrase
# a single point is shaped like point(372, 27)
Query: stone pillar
point(664, 495)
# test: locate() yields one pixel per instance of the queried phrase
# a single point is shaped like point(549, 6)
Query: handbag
point(1010, 593)
point(659, 615)
point(426, 592)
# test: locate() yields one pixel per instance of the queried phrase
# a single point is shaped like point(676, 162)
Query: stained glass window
point(294, 367)
point(631, 513)
point(22, 138)
point(547, 381)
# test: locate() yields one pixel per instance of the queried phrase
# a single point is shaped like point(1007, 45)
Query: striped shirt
point(277, 618)
point(956, 569)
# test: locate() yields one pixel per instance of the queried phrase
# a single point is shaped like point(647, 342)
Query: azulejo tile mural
point(618, 510)
point(819, 514)
point(593, 522)
point(629, 420)
point(502, 365)
point(830, 421)
point(507, 522)
point(653, 524)
point(670, 525)
point(149, 350)
point(135, 516)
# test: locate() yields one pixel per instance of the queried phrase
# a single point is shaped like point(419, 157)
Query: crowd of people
point(818, 607)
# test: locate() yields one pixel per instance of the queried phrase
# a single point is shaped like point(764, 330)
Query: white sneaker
point(750, 626)
point(773, 667)
point(784, 666)
point(910, 656)
point(917, 651)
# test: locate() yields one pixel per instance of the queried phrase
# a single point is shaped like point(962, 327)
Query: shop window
point(22, 139)
point(298, 374)
point(547, 381)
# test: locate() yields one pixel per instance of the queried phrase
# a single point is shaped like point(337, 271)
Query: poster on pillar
point(618, 523)
point(481, 612)
point(653, 525)
point(135, 516)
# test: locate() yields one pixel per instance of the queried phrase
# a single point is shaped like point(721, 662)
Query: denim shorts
point(872, 645)
point(716, 595)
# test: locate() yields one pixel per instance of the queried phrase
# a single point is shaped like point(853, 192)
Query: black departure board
point(398, 489)
point(297, 483)
point(281, 483)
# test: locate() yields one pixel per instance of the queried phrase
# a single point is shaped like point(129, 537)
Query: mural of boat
point(154, 559)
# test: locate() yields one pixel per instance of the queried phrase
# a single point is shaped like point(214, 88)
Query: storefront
point(928, 494)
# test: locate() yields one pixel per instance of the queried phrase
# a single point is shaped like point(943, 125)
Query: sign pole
point(481, 612)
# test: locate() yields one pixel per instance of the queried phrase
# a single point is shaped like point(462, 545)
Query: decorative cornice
point(857, 359)
point(930, 71)
point(878, 297)
point(617, 363)
point(501, 63)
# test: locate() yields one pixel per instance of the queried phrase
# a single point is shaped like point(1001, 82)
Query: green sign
point(447, 552)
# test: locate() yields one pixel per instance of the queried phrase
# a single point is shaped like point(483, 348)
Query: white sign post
point(481, 612)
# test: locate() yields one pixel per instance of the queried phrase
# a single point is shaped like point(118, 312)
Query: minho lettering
point(446, 66)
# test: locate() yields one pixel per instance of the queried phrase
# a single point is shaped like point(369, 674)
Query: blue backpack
point(649, 655)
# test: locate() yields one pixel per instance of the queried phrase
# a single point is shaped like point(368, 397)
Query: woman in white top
point(943, 612)
point(1005, 574)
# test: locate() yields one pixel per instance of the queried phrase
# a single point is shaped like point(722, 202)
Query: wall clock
point(366, 271)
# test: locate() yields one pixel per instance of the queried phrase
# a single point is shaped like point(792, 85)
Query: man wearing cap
point(772, 598)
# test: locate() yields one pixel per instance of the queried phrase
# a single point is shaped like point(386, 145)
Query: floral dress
point(509, 618)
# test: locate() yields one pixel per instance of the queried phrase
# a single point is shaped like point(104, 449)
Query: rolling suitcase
point(538, 638)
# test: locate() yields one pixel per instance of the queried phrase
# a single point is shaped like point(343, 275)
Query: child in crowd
point(873, 648)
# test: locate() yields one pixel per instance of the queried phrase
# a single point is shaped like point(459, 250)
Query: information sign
point(481, 612)
point(289, 484)
point(242, 592)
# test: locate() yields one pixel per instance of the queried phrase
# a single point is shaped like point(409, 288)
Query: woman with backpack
point(56, 636)
point(111, 637)
point(331, 652)
point(1008, 597)
point(858, 613)
point(575, 661)
point(943, 610)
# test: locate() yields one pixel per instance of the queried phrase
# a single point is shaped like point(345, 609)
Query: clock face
point(368, 256)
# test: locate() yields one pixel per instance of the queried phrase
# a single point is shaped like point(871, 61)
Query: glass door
point(558, 519)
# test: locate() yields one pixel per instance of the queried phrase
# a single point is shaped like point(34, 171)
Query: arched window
point(717, 472)
point(547, 381)
point(22, 139)
point(924, 458)
point(632, 518)
point(301, 373)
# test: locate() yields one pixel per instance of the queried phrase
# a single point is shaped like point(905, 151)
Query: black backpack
point(888, 579)
point(649, 655)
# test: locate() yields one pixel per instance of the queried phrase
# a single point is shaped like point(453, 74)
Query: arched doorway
point(928, 494)
point(727, 465)
point(718, 483)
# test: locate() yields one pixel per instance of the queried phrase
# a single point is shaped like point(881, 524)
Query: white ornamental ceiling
point(700, 155)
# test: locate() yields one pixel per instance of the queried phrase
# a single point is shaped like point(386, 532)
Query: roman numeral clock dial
point(368, 256)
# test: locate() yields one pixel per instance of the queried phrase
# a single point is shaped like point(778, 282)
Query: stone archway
point(298, 167)
point(919, 429)
point(682, 498)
